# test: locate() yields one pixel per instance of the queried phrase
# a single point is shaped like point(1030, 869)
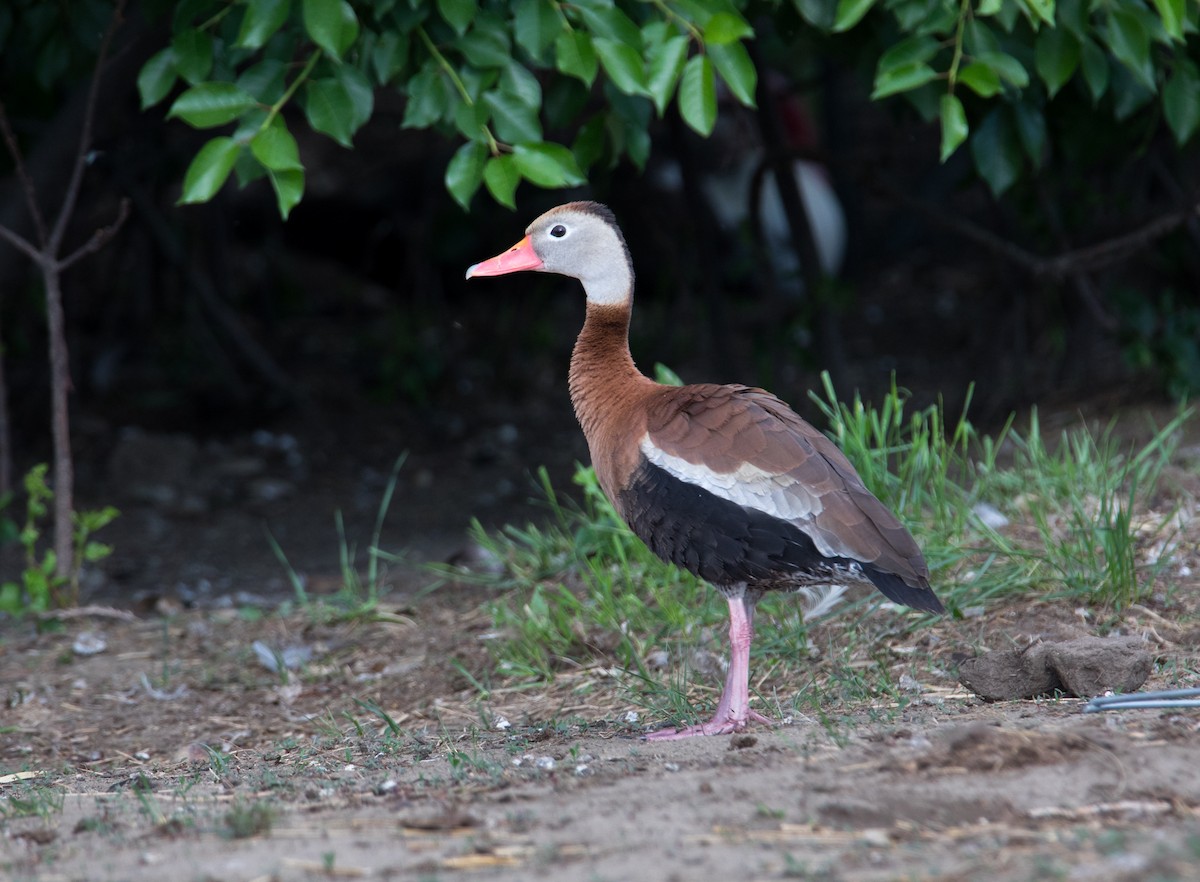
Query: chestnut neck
point(603, 378)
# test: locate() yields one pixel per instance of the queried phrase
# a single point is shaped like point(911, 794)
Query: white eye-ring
point(558, 231)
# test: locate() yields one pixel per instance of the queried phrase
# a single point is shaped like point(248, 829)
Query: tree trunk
point(6, 455)
point(60, 387)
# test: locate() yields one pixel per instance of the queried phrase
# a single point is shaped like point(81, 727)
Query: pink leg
point(733, 710)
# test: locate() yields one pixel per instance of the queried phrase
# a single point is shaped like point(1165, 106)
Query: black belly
point(722, 542)
point(729, 545)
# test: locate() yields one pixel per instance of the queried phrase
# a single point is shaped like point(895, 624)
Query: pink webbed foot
point(722, 724)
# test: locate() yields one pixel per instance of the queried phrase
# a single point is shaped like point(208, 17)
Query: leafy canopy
point(500, 76)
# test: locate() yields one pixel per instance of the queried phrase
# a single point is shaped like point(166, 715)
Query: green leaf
point(471, 118)
point(156, 77)
point(1181, 101)
point(464, 174)
point(606, 20)
point(588, 147)
point(358, 92)
point(629, 124)
point(1039, 12)
point(988, 7)
point(517, 79)
point(512, 118)
point(575, 56)
point(1006, 66)
point(193, 55)
point(733, 63)
point(209, 170)
point(429, 96)
point(211, 104)
point(912, 50)
point(850, 13)
point(487, 44)
point(1130, 43)
point(275, 147)
point(997, 152)
point(289, 188)
point(665, 64)
point(980, 79)
point(1031, 130)
point(978, 38)
point(248, 169)
point(262, 19)
point(535, 26)
point(265, 80)
point(547, 165)
point(330, 109)
point(1095, 69)
point(623, 64)
point(1129, 95)
point(1056, 57)
point(698, 95)
point(501, 176)
point(821, 14)
point(902, 79)
point(1173, 14)
point(331, 24)
point(954, 124)
point(726, 27)
point(458, 13)
point(389, 55)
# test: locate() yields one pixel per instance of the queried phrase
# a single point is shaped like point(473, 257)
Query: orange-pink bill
point(520, 257)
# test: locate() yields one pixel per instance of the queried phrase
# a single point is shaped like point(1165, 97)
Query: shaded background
point(233, 372)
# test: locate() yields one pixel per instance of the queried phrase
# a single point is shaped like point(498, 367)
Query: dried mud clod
point(1083, 667)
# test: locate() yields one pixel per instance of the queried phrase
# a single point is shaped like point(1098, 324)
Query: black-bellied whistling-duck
point(724, 481)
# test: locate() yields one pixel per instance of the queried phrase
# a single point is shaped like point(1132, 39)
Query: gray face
point(580, 244)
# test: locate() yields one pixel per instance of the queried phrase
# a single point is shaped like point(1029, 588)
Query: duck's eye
point(558, 231)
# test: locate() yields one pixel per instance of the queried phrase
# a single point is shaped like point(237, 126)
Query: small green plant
point(246, 819)
point(40, 588)
point(1082, 496)
point(359, 595)
point(32, 800)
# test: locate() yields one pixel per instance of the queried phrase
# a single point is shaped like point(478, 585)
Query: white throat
point(611, 287)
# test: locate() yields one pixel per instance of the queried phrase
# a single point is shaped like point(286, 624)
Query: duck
point(724, 481)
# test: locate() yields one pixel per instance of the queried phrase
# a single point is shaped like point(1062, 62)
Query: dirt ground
point(175, 753)
point(158, 744)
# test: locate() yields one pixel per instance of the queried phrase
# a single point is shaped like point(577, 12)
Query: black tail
point(896, 589)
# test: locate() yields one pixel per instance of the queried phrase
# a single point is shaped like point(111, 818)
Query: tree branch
point(14, 150)
point(99, 239)
point(21, 244)
point(85, 135)
point(1059, 266)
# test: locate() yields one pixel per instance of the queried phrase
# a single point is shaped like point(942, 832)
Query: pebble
point(89, 643)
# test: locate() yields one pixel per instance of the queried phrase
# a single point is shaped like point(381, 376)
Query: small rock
point(89, 643)
point(658, 659)
point(545, 763)
point(1009, 674)
point(990, 516)
point(290, 657)
point(1092, 666)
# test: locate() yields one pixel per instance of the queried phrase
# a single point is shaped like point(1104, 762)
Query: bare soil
point(174, 752)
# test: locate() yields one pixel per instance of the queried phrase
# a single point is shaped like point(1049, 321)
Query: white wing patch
point(778, 495)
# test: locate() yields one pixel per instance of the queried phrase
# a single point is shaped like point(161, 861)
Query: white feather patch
point(778, 495)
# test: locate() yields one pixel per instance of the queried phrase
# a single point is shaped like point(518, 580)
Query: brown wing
point(747, 446)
